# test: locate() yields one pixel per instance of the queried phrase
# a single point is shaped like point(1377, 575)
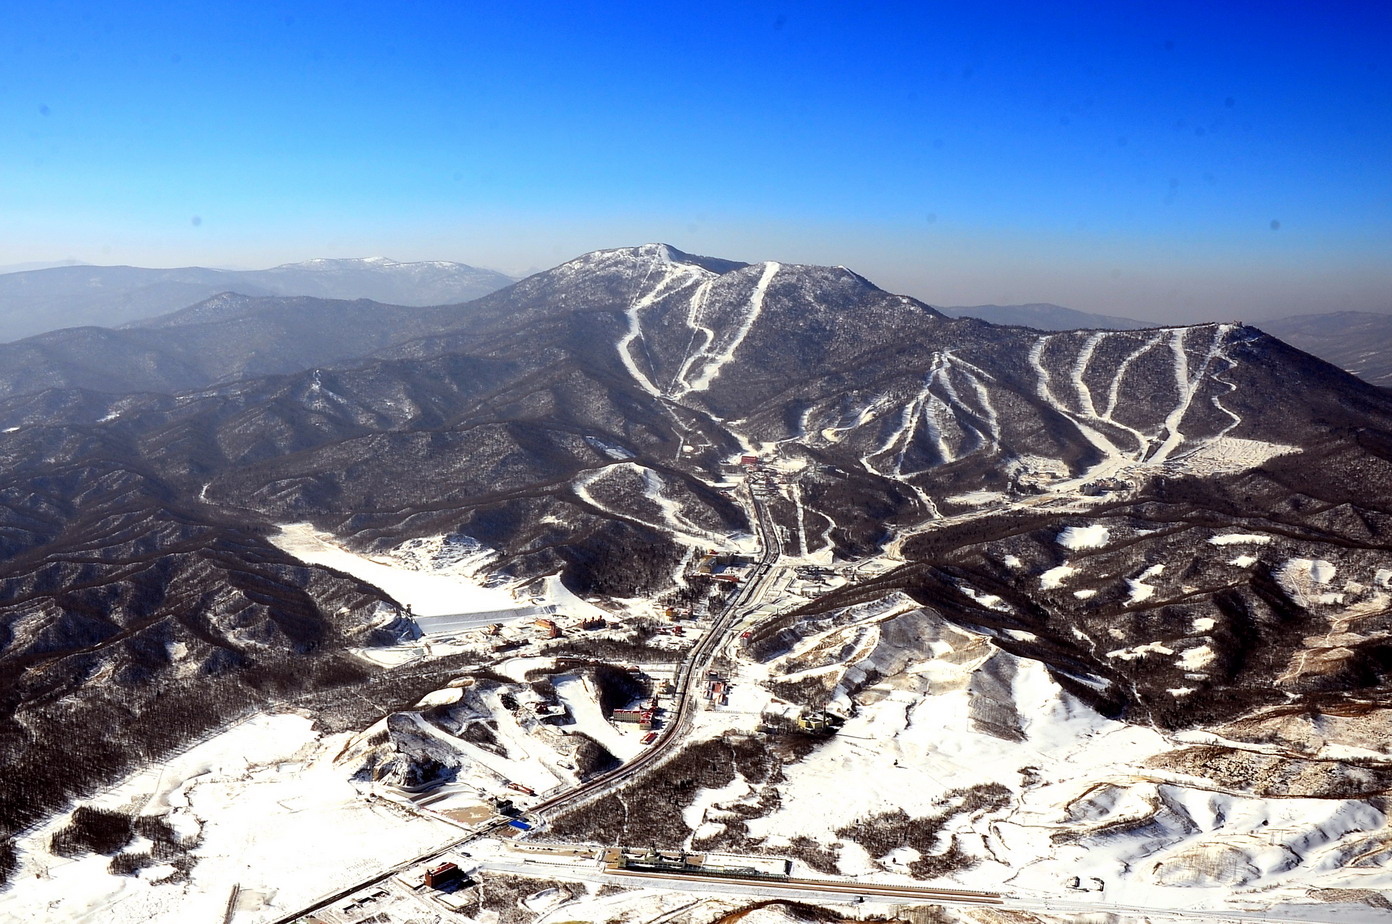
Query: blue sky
point(1173, 161)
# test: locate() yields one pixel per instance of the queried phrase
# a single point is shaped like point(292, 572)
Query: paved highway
point(834, 888)
point(842, 890)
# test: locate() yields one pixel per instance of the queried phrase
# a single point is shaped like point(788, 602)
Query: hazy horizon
point(1190, 163)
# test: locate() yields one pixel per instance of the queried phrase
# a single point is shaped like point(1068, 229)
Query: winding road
point(688, 680)
point(688, 675)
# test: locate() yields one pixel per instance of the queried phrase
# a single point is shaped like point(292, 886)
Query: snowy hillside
point(1112, 604)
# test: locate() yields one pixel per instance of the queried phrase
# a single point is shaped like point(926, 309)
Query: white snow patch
point(1303, 579)
point(695, 814)
point(1194, 659)
point(1321, 572)
point(977, 498)
point(445, 696)
point(612, 450)
point(1231, 454)
point(1139, 592)
point(1055, 577)
point(990, 601)
point(1140, 651)
point(544, 900)
point(1239, 539)
point(1084, 537)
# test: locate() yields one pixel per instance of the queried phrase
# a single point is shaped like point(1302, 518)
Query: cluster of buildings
point(1103, 486)
point(717, 689)
point(647, 713)
point(721, 566)
point(820, 722)
point(619, 859)
point(652, 859)
point(644, 716)
point(544, 628)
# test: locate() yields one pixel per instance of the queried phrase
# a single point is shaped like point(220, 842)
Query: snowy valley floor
point(1021, 789)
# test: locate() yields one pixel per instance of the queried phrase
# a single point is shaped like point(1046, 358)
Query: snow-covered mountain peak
point(645, 256)
point(321, 263)
point(329, 264)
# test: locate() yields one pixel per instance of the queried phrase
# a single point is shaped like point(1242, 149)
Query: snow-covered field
point(273, 816)
point(434, 576)
point(1074, 538)
point(1086, 795)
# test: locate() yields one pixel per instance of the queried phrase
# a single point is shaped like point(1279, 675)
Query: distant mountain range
point(69, 294)
point(38, 265)
point(1043, 316)
point(1358, 341)
point(41, 300)
point(224, 338)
